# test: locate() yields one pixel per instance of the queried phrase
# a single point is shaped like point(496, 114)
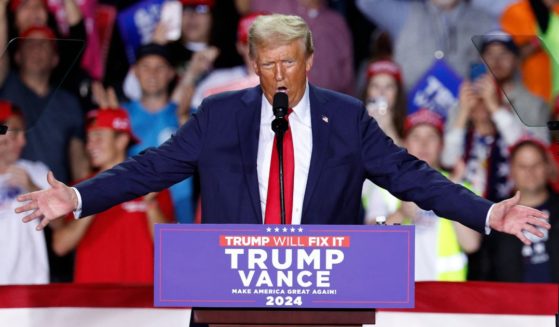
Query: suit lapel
point(248, 126)
point(320, 137)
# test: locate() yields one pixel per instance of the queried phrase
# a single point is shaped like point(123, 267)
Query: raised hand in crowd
point(486, 87)
point(467, 99)
point(104, 97)
point(159, 35)
point(200, 63)
point(73, 13)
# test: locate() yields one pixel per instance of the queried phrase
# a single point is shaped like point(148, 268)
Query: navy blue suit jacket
point(221, 142)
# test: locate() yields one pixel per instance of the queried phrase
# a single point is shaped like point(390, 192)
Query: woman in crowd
point(385, 100)
point(512, 261)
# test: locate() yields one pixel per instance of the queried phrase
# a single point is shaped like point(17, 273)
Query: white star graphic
point(269, 229)
point(292, 229)
point(300, 229)
point(284, 229)
point(276, 229)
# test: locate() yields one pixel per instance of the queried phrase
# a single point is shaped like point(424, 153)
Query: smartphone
point(171, 15)
point(477, 70)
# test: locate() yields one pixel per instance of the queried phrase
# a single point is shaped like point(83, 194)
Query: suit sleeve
point(411, 179)
point(151, 171)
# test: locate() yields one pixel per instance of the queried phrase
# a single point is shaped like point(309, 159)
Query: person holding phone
point(485, 122)
point(493, 113)
point(502, 57)
point(477, 70)
point(185, 30)
point(479, 136)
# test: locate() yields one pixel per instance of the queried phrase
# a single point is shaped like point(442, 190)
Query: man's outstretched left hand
point(509, 217)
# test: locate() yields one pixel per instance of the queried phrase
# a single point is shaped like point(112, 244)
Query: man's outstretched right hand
point(48, 205)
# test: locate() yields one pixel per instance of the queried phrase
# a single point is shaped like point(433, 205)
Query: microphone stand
point(554, 126)
point(279, 126)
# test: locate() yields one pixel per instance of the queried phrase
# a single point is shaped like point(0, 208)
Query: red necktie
point(273, 206)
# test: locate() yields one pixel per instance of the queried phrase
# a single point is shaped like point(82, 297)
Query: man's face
point(501, 61)
point(30, 13)
point(154, 74)
point(102, 148)
point(425, 142)
point(37, 54)
point(196, 26)
point(529, 169)
point(283, 68)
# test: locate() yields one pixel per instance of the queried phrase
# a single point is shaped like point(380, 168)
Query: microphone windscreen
point(281, 102)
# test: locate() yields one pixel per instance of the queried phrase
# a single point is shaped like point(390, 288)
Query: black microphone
point(3, 129)
point(280, 106)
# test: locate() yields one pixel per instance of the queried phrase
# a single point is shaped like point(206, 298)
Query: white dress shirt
point(301, 132)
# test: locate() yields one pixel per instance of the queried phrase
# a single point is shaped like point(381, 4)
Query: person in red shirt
point(115, 246)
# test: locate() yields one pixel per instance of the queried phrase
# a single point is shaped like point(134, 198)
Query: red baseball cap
point(528, 139)
point(8, 110)
point(384, 67)
point(44, 30)
point(33, 31)
point(115, 119)
point(424, 116)
point(244, 26)
point(5, 110)
point(14, 4)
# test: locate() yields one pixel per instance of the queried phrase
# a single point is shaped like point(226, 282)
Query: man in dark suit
point(334, 146)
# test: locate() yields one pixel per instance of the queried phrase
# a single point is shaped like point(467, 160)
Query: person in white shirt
point(23, 251)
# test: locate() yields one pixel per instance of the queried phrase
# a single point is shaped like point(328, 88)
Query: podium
point(281, 317)
point(262, 275)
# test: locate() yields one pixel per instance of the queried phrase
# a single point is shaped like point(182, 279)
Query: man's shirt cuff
point(487, 227)
point(78, 211)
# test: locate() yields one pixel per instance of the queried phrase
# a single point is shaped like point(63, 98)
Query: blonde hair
point(279, 29)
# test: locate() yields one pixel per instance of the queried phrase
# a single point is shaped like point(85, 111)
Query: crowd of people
point(493, 139)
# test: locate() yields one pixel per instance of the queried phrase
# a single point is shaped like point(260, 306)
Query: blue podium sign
point(284, 266)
